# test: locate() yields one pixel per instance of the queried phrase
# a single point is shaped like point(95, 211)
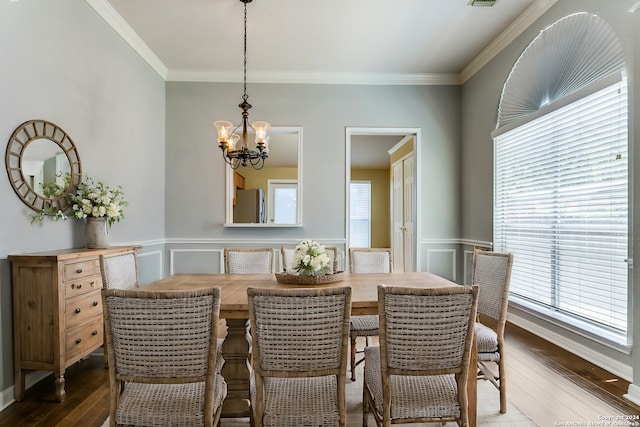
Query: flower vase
point(96, 233)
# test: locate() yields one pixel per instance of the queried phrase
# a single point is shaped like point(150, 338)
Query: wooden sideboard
point(57, 311)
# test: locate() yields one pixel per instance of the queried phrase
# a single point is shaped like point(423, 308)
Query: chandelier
point(235, 148)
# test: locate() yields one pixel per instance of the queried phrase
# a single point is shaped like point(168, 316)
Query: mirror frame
point(20, 139)
point(229, 187)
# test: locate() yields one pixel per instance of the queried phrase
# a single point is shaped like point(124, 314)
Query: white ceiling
point(423, 41)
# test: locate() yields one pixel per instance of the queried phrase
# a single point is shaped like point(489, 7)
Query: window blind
point(561, 207)
point(360, 214)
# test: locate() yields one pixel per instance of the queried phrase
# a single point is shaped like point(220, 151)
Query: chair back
point(300, 332)
point(119, 270)
point(248, 261)
point(332, 253)
point(162, 350)
point(287, 258)
point(426, 331)
point(162, 336)
point(491, 272)
point(370, 260)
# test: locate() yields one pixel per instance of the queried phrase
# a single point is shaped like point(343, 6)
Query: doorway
point(368, 152)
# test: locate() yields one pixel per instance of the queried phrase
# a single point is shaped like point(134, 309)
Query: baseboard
point(7, 395)
point(611, 365)
point(633, 394)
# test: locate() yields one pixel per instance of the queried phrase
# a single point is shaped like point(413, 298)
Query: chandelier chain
point(235, 148)
point(245, 97)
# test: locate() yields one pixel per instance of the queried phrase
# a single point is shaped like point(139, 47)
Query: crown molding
point(315, 78)
point(114, 19)
point(517, 27)
point(109, 14)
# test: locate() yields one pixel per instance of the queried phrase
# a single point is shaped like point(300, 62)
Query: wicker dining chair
point(366, 260)
point(162, 357)
point(299, 356)
point(119, 270)
point(419, 372)
point(491, 272)
point(248, 260)
point(287, 254)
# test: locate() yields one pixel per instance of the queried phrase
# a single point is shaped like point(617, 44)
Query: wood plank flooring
point(549, 384)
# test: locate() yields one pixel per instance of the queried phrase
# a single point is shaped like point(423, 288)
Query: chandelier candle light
point(235, 148)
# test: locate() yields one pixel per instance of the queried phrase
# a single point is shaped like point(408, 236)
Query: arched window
point(561, 175)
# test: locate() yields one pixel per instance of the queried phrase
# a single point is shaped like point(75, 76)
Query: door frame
point(374, 131)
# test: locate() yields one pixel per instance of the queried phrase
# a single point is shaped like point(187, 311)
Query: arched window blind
point(561, 173)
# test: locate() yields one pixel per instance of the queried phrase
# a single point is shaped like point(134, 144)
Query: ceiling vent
point(482, 3)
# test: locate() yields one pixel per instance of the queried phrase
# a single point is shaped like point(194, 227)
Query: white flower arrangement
point(91, 199)
point(310, 259)
point(97, 200)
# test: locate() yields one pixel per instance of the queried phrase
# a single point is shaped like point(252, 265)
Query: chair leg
point(503, 385)
point(353, 358)
point(365, 408)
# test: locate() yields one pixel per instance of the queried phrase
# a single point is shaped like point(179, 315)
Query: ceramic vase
point(96, 233)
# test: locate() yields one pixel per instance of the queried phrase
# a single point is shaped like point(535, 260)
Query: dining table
point(234, 309)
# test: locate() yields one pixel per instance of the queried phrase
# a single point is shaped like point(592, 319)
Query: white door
point(409, 213)
point(403, 213)
point(397, 220)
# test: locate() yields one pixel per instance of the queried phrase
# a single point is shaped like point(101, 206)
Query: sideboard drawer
point(81, 286)
point(86, 337)
point(77, 270)
point(82, 307)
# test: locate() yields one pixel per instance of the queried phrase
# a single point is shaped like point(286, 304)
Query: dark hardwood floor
point(86, 403)
point(531, 360)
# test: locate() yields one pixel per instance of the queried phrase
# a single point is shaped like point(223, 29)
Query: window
point(360, 214)
point(561, 176)
point(561, 206)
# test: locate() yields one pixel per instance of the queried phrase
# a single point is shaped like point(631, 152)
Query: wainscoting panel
point(196, 261)
point(442, 262)
point(150, 265)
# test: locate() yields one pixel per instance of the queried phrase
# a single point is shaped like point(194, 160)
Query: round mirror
point(43, 165)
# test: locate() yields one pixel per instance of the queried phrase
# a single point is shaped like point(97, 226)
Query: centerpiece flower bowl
point(297, 279)
point(312, 266)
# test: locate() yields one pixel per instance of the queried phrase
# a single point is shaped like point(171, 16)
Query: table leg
point(235, 371)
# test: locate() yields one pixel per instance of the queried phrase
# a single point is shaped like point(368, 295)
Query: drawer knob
point(77, 310)
point(95, 303)
point(92, 284)
point(94, 333)
point(79, 271)
point(79, 340)
point(78, 286)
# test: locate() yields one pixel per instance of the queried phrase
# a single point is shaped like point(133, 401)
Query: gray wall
point(195, 169)
point(480, 100)
point(323, 111)
point(61, 62)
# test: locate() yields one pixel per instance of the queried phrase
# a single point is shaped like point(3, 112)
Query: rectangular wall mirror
point(271, 196)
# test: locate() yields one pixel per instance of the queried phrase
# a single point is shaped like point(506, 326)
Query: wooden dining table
point(234, 309)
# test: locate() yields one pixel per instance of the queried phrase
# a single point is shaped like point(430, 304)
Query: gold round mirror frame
point(20, 139)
